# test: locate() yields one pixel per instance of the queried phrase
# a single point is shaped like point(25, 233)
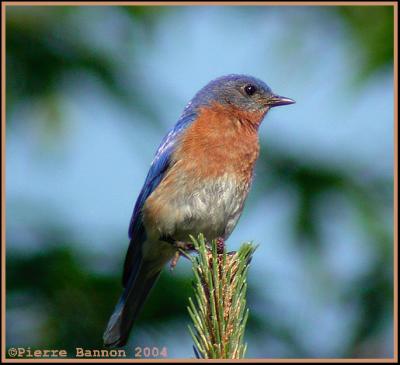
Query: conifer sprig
point(218, 312)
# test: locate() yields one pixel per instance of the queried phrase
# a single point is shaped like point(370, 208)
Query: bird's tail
point(136, 290)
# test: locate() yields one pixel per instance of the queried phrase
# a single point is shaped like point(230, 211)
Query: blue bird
point(197, 183)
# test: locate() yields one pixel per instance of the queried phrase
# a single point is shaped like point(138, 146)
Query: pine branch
point(219, 312)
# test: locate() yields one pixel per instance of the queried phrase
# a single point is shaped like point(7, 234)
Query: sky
point(88, 180)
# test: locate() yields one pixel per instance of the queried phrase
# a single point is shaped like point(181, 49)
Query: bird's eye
point(250, 89)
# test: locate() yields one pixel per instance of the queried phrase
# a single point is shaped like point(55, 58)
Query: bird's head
point(240, 91)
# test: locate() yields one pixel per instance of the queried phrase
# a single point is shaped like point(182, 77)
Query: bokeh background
point(90, 93)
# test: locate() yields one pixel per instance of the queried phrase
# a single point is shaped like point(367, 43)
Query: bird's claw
point(185, 246)
point(174, 260)
point(180, 246)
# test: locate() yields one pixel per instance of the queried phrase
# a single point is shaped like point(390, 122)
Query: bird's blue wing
point(158, 168)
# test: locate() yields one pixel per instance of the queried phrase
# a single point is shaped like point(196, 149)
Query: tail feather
point(136, 290)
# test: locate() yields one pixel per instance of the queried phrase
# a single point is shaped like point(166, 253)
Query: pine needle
point(219, 313)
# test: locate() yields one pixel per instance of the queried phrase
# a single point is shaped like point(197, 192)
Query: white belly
point(210, 207)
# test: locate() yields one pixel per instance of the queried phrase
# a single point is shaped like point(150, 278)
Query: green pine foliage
point(219, 311)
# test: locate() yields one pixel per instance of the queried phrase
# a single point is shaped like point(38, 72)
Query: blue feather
point(158, 167)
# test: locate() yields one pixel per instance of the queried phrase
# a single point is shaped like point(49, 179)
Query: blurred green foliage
point(39, 53)
point(374, 291)
point(372, 28)
point(38, 56)
point(77, 300)
point(42, 50)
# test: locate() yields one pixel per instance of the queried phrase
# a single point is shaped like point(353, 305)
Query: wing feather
point(158, 168)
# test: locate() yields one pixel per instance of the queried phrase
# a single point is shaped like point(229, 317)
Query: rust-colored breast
point(217, 151)
point(221, 140)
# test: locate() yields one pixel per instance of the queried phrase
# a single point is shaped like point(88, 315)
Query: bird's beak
point(276, 100)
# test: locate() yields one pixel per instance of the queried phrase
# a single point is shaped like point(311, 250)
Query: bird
point(197, 183)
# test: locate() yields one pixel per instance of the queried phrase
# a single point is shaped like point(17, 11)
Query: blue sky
point(89, 179)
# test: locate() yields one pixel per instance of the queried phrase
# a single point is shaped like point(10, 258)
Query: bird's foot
point(181, 247)
point(174, 260)
point(185, 246)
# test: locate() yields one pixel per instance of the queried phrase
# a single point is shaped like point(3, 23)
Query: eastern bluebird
point(197, 183)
